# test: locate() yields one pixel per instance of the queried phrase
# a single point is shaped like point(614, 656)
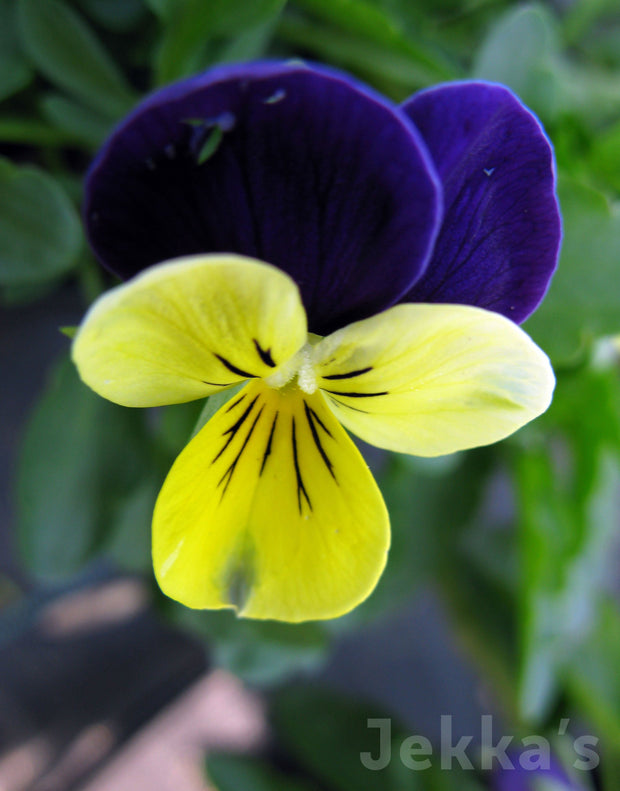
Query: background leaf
point(570, 513)
point(15, 70)
point(80, 123)
point(234, 772)
point(81, 477)
point(67, 52)
point(581, 304)
point(520, 52)
point(115, 16)
point(593, 680)
point(191, 24)
point(260, 652)
point(40, 233)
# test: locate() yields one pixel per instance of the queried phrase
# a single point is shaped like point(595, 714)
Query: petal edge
point(283, 521)
point(434, 379)
point(187, 328)
point(499, 242)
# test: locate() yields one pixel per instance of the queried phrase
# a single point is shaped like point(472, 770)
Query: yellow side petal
point(187, 328)
point(271, 510)
point(433, 379)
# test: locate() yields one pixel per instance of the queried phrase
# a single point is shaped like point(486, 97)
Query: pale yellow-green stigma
point(270, 509)
point(297, 372)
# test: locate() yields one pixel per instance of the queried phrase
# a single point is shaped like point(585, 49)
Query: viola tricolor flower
point(358, 264)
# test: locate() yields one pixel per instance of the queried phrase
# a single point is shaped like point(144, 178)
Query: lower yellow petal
point(433, 379)
point(271, 510)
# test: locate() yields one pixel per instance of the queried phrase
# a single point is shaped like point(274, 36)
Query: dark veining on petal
point(310, 415)
point(235, 402)
point(301, 489)
point(340, 405)
point(320, 422)
point(350, 374)
point(227, 476)
point(233, 368)
point(356, 395)
point(234, 428)
point(269, 441)
point(264, 354)
point(218, 384)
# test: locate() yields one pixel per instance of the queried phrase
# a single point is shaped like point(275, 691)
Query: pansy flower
point(357, 264)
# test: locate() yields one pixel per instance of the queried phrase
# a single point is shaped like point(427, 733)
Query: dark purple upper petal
point(299, 166)
point(500, 236)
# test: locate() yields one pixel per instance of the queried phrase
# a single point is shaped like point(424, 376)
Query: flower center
point(299, 371)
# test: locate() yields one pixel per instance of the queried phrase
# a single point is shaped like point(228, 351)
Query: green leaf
point(211, 144)
point(475, 565)
point(580, 17)
point(26, 131)
point(66, 51)
point(250, 44)
point(129, 541)
point(519, 52)
point(523, 52)
point(604, 157)
point(115, 16)
point(191, 24)
point(394, 72)
point(260, 652)
point(15, 71)
point(366, 21)
point(589, 91)
point(78, 122)
point(581, 303)
point(175, 425)
point(81, 471)
point(326, 732)
point(162, 8)
point(593, 680)
point(568, 517)
point(25, 294)
point(234, 772)
point(69, 331)
point(610, 767)
point(40, 232)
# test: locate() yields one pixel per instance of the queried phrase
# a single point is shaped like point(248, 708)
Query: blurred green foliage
point(519, 539)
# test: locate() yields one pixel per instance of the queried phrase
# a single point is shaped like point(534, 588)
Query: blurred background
point(501, 595)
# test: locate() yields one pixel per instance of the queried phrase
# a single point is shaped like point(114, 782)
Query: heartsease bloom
point(352, 260)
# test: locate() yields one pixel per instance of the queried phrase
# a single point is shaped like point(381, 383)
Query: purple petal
point(500, 237)
point(298, 166)
point(523, 779)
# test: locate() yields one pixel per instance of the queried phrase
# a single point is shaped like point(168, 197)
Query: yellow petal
point(271, 510)
point(186, 328)
point(433, 379)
